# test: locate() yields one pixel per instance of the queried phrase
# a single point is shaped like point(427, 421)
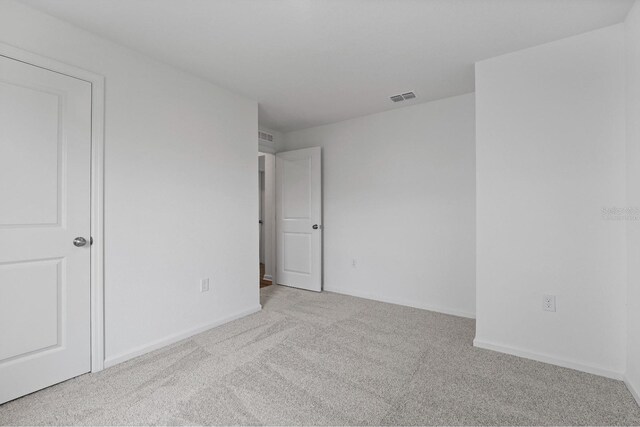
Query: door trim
point(97, 187)
point(270, 214)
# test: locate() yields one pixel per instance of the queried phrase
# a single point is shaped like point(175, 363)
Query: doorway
point(290, 218)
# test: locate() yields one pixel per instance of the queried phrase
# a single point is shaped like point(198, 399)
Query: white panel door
point(299, 218)
point(45, 153)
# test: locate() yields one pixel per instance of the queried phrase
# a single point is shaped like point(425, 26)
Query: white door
point(45, 153)
point(299, 218)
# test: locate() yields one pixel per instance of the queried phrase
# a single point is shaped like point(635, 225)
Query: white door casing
point(45, 202)
point(270, 217)
point(299, 218)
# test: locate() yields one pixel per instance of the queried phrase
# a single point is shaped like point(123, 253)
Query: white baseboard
point(634, 391)
point(146, 348)
point(268, 277)
point(400, 301)
point(545, 358)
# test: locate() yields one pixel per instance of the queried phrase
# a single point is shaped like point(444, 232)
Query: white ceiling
point(311, 62)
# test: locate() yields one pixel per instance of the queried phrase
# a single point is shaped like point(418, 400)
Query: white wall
point(632, 38)
point(550, 150)
point(398, 194)
point(180, 187)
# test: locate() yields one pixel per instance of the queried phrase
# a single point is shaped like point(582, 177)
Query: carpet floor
point(330, 359)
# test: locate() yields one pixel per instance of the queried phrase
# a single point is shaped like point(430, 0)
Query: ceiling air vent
point(265, 136)
point(403, 97)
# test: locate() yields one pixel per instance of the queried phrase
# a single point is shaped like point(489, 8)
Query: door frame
point(270, 214)
point(97, 187)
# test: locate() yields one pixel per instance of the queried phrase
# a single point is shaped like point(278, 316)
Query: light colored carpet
point(331, 359)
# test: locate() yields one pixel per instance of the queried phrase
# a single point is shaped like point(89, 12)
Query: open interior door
point(299, 218)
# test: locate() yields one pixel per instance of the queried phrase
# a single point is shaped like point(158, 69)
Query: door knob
point(79, 241)
point(315, 226)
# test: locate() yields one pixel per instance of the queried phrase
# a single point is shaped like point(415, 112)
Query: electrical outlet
point(549, 302)
point(204, 285)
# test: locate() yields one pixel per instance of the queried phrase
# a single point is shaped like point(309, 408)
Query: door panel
point(296, 192)
point(298, 209)
point(45, 154)
point(32, 313)
point(31, 119)
point(297, 247)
